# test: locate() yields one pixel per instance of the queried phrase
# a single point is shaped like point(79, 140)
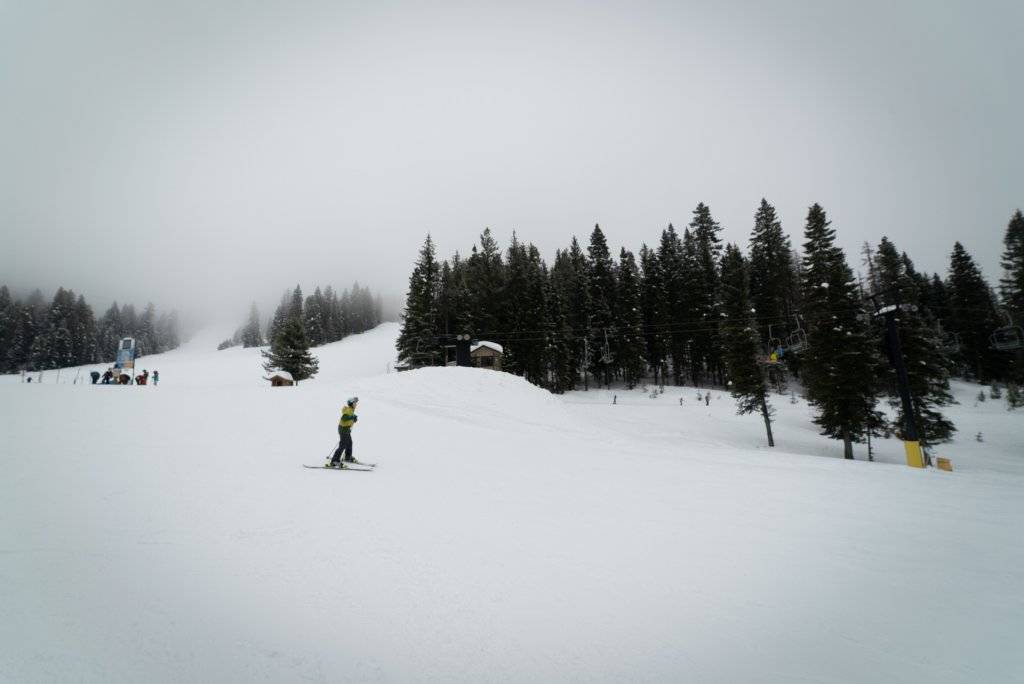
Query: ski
point(365, 470)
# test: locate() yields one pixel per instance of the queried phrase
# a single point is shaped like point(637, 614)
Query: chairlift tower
point(911, 439)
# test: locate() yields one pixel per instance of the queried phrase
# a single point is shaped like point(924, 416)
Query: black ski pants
point(344, 445)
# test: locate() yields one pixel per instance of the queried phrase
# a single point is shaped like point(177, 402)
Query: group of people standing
point(117, 376)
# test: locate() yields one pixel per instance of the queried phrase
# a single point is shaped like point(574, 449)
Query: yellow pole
point(914, 457)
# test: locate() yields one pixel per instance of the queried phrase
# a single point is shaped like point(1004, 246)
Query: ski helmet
point(352, 400)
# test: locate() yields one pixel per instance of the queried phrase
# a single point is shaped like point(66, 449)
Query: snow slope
point(169, 534)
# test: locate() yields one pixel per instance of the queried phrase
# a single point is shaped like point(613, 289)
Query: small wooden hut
point(281, 379)
point(486, 355)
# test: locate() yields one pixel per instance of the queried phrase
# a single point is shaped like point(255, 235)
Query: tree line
point(36, 335)
point(692, 310)
point(326, 316)
point(300, 323)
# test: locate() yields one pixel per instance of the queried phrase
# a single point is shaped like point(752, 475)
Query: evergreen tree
point(167, 330)
point(973, 315)
point(145, 336)
point(740, 341)
point(601, 286)
point(523, 314)
point(558, 358)
point(280, 317)
point(838, 364)
point(706, 342)
point(676, 264)
point(290, 352)
point(654, 304)
point(445, 315)
point(1011, 285)
point(629, 340)
point(459, 298)
point(315, 318)
point(84, 333)
point(8, 321)
point(417, 341)
point(251, 335)
point(772, 278)
point(109, 333)
point(129, 321)
point(580, 310)
point(19, 352)
point(487, 275)
point(927, 366)
point(566, 284)
point(295, 305)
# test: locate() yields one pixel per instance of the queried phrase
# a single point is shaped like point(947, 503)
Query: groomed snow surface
point(170, 534)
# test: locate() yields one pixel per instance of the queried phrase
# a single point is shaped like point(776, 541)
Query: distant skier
point(156, 377)
point(348, 419)
point(95, 375)
point(707, 399)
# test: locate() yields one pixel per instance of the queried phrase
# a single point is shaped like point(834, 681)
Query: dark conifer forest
point(40, 335)
point(689, 310)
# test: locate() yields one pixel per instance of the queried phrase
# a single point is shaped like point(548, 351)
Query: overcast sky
point(185, 152)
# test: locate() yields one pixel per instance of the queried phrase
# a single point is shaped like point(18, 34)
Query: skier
point(348, 419)
point(95, 375)
point(156, 377)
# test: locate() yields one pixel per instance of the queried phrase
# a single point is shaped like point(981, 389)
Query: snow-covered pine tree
point(601, 286)
point(973, 316)
point(654, 304)
point(459, 298)
point(706, 342)
point(129, 321)
point(8, 321)
point(676, 268)
point(251, 335)
point(563, 282)
point(741, 342)
point(580, 310)
point(445, 315)
point(280, 316)
point(295, 305)
point(1011, 288)
point(838, 365)
point(1011, 285)
point(167, 330)
point(84, 333)
point(18, 354)
point(927, 366)
point(314, 318)
point(629, 340)
point(772, 277)
point(557, 356)
point(145, 337)
point(523, 300)
point(108, 332)
point(536, 275)
point(417, 342)
point(486, 277)
point(290, 352)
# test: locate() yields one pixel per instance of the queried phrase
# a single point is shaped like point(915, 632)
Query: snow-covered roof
point(490, 345)
point(284, 375)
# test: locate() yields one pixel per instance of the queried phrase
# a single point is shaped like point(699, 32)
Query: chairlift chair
point(775, 343)
point(951, 343)
point(797, 340)
point(1008, 338)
